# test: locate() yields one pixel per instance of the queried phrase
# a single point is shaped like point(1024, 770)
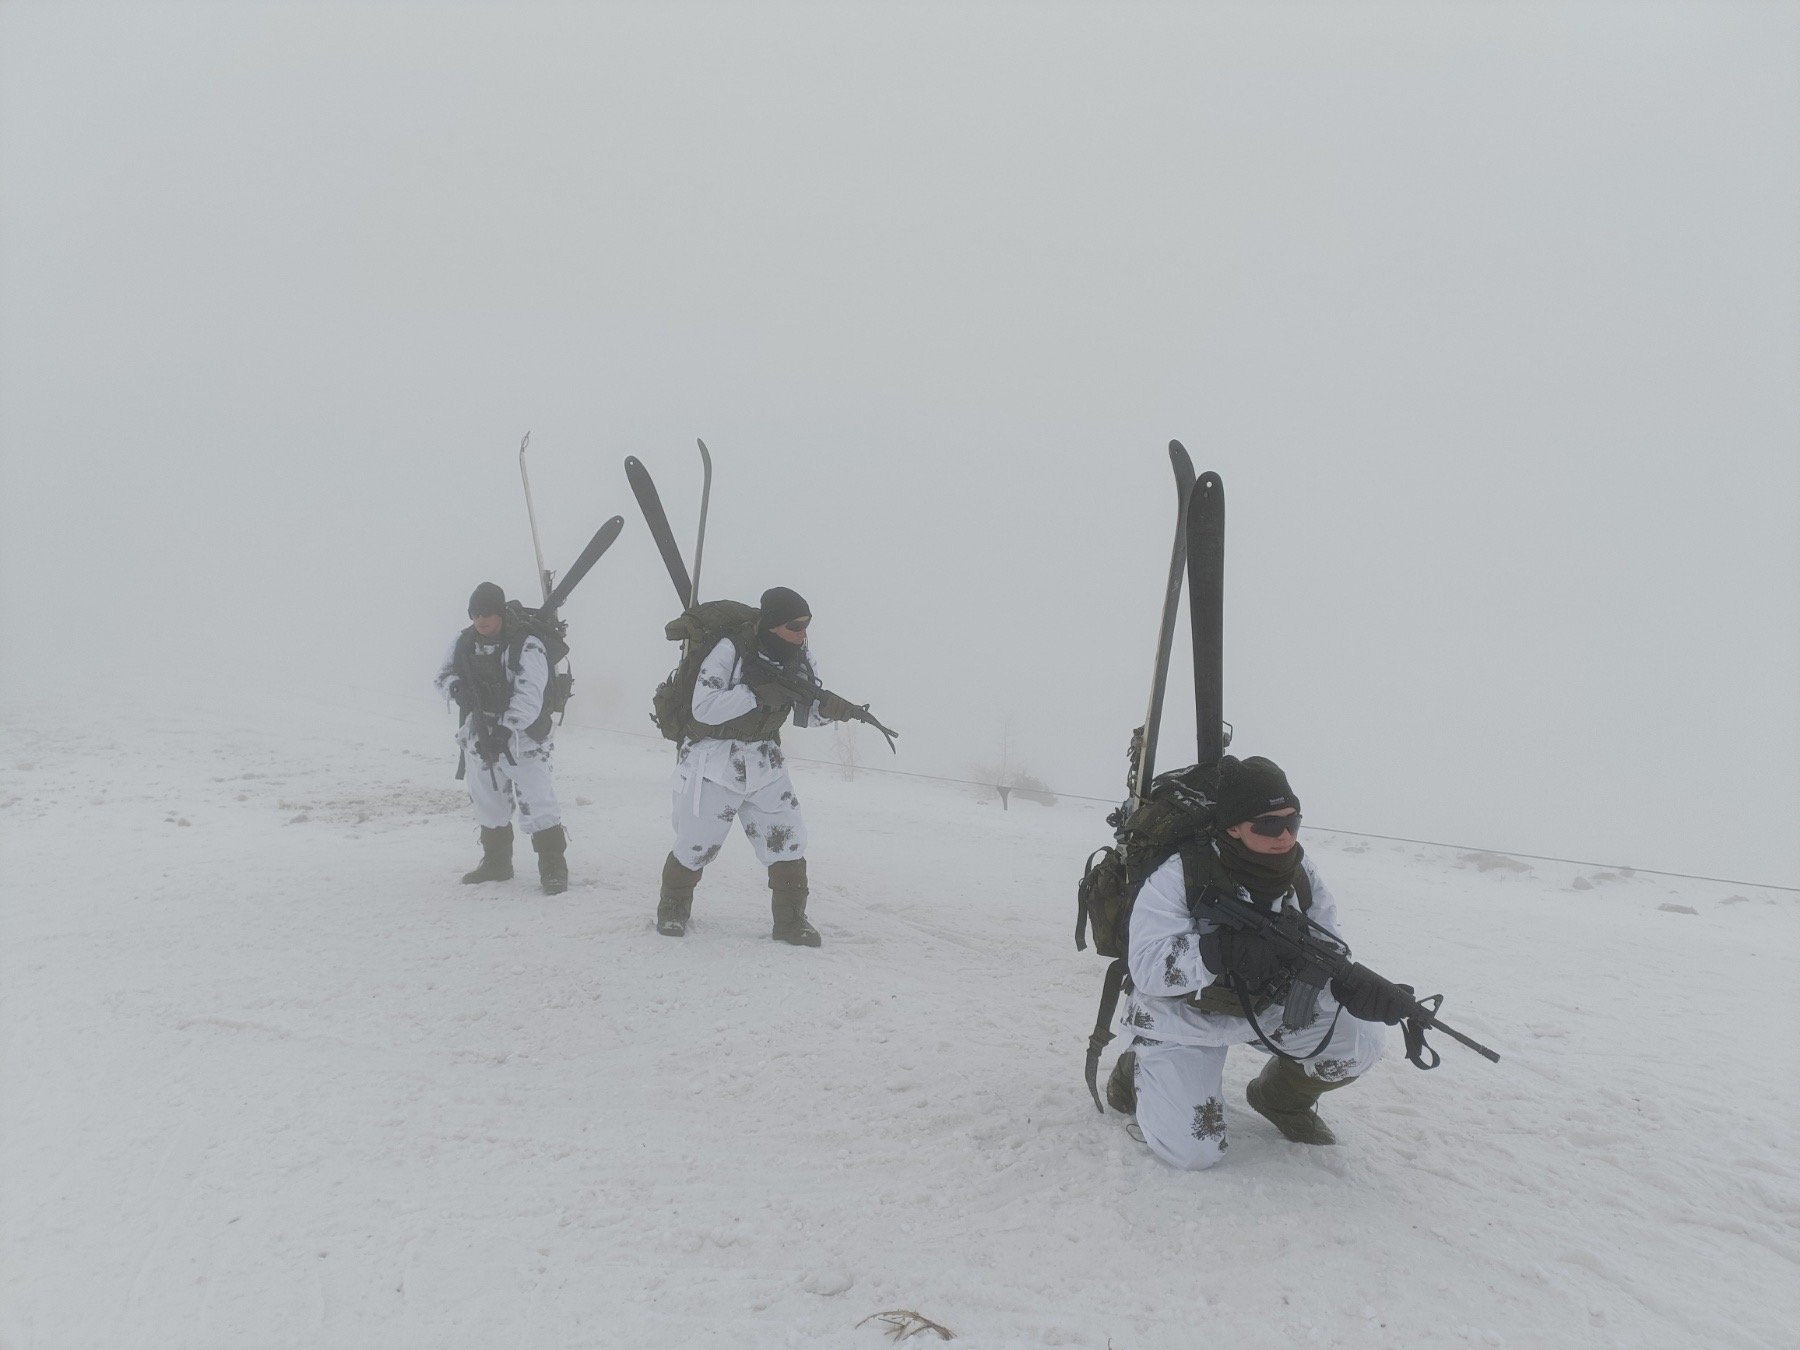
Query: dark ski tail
point(1144, 764)
point(658, 520)
point(602, 540)
point(1206, 607)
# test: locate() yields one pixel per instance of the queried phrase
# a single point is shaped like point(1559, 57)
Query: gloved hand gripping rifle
point(1316, 957)
point(807, 692)
point(492, 741)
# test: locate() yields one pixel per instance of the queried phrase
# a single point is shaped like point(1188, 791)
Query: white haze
point(1489, 316)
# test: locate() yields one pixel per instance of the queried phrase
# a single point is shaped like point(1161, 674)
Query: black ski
point(602, 540)
point(644, 489)
point(1144, 762)
point(1206, 607)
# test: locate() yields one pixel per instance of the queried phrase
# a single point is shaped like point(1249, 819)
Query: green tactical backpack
point(698, 630)
point(1179, 808)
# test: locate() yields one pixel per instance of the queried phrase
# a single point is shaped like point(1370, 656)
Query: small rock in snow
point(1678, 909)
point(828, 1283)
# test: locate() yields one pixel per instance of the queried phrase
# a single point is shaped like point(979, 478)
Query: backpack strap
point(1081, 901)
point(1109, 1002)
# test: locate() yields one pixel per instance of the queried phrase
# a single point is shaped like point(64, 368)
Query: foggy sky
point(1489, 316)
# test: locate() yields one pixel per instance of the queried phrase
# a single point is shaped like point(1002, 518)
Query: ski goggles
point(796, 625)
point(1273, 827)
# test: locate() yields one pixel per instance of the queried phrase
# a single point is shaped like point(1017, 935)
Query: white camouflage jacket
point(528, 686)
point(720, 695)
point(1165, 963)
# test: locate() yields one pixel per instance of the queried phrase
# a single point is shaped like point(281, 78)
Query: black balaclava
point(486, 598)
point(780, 605)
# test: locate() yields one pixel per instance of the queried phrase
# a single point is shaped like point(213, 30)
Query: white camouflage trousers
point(524, 786)
point(770, 817)
point(1180, 1095)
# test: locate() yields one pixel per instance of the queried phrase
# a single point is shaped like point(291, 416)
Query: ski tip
point(1177, 448)
point(702, 445)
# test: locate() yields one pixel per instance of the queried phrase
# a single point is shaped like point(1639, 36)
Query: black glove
point(756, 672)
point(1245, 955)
point(460, 695)
point(834, 708)
point(773, 698)
point(1369, 998)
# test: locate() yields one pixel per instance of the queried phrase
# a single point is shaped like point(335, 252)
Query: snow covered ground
point(272, 1077)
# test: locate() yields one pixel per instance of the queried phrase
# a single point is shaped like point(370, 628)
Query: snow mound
point(277, 1079)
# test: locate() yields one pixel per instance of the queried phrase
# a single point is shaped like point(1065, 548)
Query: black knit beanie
point(486, 598)
point(1252, 787)
point(779, 606)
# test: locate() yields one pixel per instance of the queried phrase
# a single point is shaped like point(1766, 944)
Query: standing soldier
point(730, 766)
point(499, 674)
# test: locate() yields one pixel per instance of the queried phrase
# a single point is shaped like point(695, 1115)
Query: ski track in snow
point(274, 1078)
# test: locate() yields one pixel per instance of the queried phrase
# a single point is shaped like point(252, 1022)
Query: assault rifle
point(767, 672)
point(492, 740)
point(1316, 957)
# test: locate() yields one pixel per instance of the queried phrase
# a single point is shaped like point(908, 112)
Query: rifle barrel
point(1461, 1039)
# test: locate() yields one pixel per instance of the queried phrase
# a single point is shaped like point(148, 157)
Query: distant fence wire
point(1000, 791)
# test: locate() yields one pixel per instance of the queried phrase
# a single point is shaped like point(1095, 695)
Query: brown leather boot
point(787, 887)
point(1283, 1094)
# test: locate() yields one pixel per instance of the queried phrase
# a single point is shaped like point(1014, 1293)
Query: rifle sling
point(1413, 1029)
point(1109, 1001)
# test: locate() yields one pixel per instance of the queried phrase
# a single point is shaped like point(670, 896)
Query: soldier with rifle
point(500, 676)
point(746, 683)
point(1234, 940)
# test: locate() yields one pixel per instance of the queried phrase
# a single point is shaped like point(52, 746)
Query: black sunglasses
point(796, 625)
point(1273, 827)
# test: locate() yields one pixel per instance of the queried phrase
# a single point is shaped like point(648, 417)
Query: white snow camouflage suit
point(717, 782)
point(1181, 1049)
